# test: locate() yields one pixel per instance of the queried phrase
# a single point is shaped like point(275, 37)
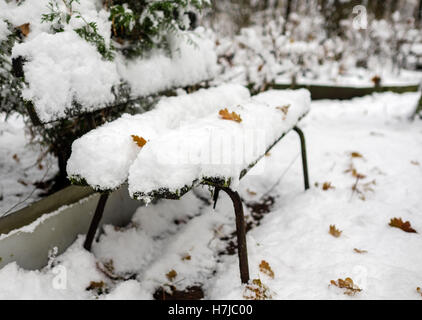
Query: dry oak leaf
point(359, 251)
point(265, 268)
point(250, 192)
point(171, 275)
point(419, 290)
point(327, 186)
point(398, 223)
point(226, 115)
point(284, 109)
point(139, 140)
point(356, 155)
point(347, 284)
point(25, 29)
point(256, 290)
point(334, 231)
point(186, 257)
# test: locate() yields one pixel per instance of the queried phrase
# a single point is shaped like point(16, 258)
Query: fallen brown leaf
point(350, 288)
point(186, 257)
point(327, 186)
point(359, 251)
point(139, 140)
point(171, 275)
point(405, 226)
point(256, 290)
point(250, 192)
point(334, 231)
point(265, 268)
point(226, 115)
point(356, 155)
point(419, 290)
point(284, 109)
point(415, 163)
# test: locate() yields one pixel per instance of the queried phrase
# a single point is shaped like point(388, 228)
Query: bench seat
point(102, 157)
point(212, 150)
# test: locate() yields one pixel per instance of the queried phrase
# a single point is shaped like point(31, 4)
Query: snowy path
point(369, 136)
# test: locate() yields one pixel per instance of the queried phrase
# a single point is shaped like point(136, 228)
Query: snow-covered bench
point(210, 137)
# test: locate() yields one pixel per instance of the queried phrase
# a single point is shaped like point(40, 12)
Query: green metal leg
point(304, 158)
point(241, 234)
point(95, 221)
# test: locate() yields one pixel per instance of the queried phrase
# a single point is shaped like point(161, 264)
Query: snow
point(189, 64)
point(95, 153)
point(215, 148)
point(189, 237)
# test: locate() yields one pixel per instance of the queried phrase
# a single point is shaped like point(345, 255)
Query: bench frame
point(237, 205)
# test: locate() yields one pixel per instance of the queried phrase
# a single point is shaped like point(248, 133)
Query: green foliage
point(10, 86)
point(89, 31)
point(142, 25)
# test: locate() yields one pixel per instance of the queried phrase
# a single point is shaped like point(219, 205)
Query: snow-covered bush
point(71, 65)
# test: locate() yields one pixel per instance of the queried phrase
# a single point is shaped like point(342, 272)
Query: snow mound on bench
point(215, 148)
point(103, 156)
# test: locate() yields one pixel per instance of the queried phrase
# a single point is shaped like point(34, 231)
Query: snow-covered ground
point(21, 165)
point(186, 244)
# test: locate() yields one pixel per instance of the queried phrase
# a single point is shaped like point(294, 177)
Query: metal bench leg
point(304, 158)
point(241, 234)
point(95, 221)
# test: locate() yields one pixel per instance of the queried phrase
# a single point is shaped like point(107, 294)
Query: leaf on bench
point(226, 115)
point(139, 140)
point(284, 109)
point(405, 226)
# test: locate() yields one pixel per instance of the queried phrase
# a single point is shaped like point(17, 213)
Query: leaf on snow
point(350, 288)
point(419, 290)
point(356, 155)
point(334, 231)
point(354, 172)
point(226, 115)
point(171, 275)
point(327, 186)
point(25, 29)
point(415, 163)
point(139, 140)
point(186, 257)
point(359, 251)
point(265, 268)
point(250, 192)
point(256, 290)
point(284, 109)
point(405, 226)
